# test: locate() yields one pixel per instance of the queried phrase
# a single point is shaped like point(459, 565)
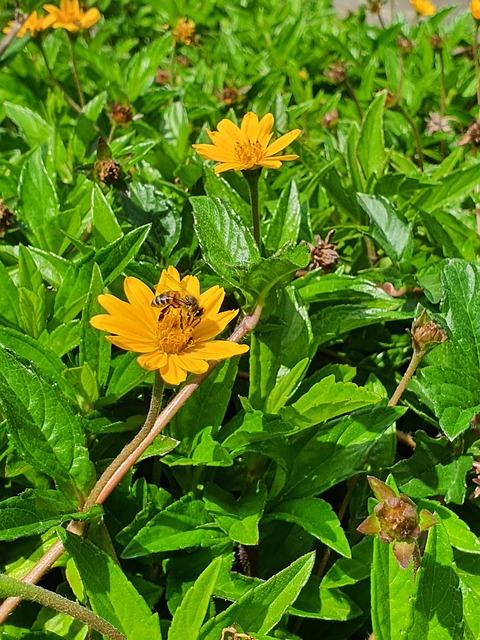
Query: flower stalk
point(76, 77)
point(252, 177)
point(11, 587)
point(54, 81)
point(475, 60)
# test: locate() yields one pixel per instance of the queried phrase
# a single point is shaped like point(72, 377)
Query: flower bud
point(426, 334)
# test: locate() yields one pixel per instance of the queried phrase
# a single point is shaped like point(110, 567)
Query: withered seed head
point(436, 42)
point(7, 218)
point(121, 114)
point(405, 45)
point(426, 334)
point(336, 72)
point(330, 119)
point(472, 135)
point(323, 254)
point(107, 171)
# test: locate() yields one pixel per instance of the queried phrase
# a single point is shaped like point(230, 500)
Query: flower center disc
point(249, 152)
point(174, 330)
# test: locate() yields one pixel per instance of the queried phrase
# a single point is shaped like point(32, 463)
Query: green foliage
point(242, 513)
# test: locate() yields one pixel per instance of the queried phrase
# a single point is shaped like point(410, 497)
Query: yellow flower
point(70, 17)
point(175, 336)
point(475, 9)
point(185, 31)
point(34, 24)
point(423, 7)
point(246, 147)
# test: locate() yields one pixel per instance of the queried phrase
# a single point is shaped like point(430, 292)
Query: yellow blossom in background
point(246, 147)
point(175, 335)
point(34, 24)
point(71, 17)
point(475, 9)
point(185, 31)
point(423, 7)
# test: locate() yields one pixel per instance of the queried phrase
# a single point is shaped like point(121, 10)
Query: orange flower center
point(174, 330)
point(248, 152)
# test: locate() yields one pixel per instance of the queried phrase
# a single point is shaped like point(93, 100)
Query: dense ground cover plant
point(272, 215)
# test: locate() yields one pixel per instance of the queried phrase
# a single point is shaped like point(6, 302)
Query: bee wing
point(171, 284)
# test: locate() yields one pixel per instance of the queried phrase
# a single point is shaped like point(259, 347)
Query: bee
point(178, 300)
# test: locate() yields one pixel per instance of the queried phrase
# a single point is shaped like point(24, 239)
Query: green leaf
point(285, 223)
point(184, 524)
point(113, 258)
point(45, 430)
point(141, 67)
point(94, 349)
point(347, 571)
point(459, 534)
point(389, 228)
point(105, 226)
point(371, 143)
point(455, 186)
point(31, 295)
point(127, 374)
point(327, 399)
point(337, 450)
point(33, 127)
point(261, 608)
point(468, 571)
point(111, 594)
point(9, 306)
point(391, 591)
point(276, 347)
point(239, 519)
point(72, 293)
point(36, 186)
point(317, 518)
point(191, 613)
point(436, 606)
point(319, 603)
point(33, 512)
point(456, 399)
point(216, 186)
point(227, 245)
point(435, 468)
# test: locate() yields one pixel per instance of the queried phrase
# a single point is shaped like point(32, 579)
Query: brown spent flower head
point(476, 480)
point(162, 76)
point(34, 24)
point(395, 519)
point(185, 32)
point(71, 17)
point(336, 72)
point(374, 7)
point(437, 124)
point(405, 45)
point(436, 42)
point(121, 114)
point(471, 136)
point(107, 171)
point(229, 95)
point(426, 334)
point(7, 218)
point(330, 119)
point(323, 254)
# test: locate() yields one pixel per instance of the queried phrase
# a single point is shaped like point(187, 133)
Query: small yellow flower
point(246, 147)
point(71, 17)
point(34, 24)
point(475, 9)
point(185, 31)
point(423, 7)
point(173, 337)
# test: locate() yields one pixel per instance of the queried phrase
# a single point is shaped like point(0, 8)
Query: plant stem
point(55, 82)
point(351, 93)
point(475, 60)
point(443, 96)
point(126, 459)
point(9, 586)
point(76, 77)
point(8, 39)
point(401, 74)
point(252, 176)
point(416, 135)
point(173, 58)
point(412, 367)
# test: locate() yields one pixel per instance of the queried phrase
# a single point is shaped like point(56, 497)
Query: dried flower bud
point(336, 72)
point(182, 61)
point(7, 218)
point(472, 135)
point(426, 334)
point(405, 45)
point(323, 254)
point(229, 95)
point(436, 42)
point(162, 76)
point(374, 7)
point(437, 124)
point(476, 480)
point(330, 119)
point(396, 519)
point(121, 114)
point(107, 171)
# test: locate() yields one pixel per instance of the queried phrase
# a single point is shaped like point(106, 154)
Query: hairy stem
point(412, 367)
point(10, 586)
point(475, 60)
point(8, 39)
point(416, 135)
point(127, 458)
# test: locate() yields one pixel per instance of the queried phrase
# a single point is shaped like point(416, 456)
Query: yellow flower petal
point(217, 350)
point(282, 142)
